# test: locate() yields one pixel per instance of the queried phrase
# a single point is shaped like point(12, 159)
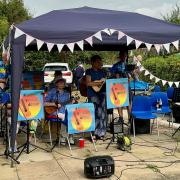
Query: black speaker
point(176, 112)
point(116, 126)
point(99, 167)
point(142, 126)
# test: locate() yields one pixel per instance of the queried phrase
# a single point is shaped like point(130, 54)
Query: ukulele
point(49, 109)
point(98, 88)
point(115, 92)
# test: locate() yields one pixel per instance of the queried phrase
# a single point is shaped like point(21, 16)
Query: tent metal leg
point(93, 142)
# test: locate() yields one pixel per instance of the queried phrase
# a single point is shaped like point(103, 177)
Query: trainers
point(63, 140)
point(71, 141)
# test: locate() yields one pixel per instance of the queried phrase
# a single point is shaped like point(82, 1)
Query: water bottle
point(160, 103)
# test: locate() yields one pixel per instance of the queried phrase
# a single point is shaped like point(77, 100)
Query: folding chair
point(141, 109)
point(156, 96)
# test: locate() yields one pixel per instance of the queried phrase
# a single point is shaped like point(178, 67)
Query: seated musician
point(98, 98)
point(57, 97)
point(118, 71)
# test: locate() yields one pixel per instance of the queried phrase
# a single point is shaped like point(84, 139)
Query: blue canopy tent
point(83, 28)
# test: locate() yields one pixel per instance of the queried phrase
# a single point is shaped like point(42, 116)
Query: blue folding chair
point(157, 88)
point(170, 92)
point(141, 109)
point(156, 96)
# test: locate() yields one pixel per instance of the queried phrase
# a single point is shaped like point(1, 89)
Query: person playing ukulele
point(98, 98)
point(55, 98)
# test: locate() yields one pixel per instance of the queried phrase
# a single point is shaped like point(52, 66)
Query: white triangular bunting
point(29, 39)
point(18, 33)
point(112, 31)
point(89, 40)
point(39, 44)
point(60, 46)
point(50, 46)
point(120, 35)
point(98, 35)
point(151, 76)
point(142, 68)
point(80, 44)
point(164, 82)
point(129, 40)
point(146, 73)
point(70, 46)
point(177, 84)
point(107, 31)
point(176, 44)
point(157, 79)
point(167, 47)
point(148, 46)
point(138, 64)
point(157, 47)
point(170, 83)
point(138, 43)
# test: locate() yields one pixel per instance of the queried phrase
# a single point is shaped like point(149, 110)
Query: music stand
point(27, 143)
point(176, 98)
point(7, 153)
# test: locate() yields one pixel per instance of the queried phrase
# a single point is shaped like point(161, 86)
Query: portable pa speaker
point(99, 167)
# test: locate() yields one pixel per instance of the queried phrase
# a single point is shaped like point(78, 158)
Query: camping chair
point(141, 109)
point(156, 96)
point(170, 93)
point(157, 89)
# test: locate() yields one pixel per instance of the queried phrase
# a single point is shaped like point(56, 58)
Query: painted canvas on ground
point(80, 118)
point(117, 93)
point(33, 80)
point(31, 105)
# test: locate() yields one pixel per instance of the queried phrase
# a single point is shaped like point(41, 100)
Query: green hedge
point(166, 68)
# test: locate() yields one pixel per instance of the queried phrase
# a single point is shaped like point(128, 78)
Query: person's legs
point(100, 115)
point(120, 111)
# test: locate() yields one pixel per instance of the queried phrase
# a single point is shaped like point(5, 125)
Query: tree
point(174, 15)
point(11, 11)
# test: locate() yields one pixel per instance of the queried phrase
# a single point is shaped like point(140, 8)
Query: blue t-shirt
point(95, 75)
point(118, 68)
point(62, 97)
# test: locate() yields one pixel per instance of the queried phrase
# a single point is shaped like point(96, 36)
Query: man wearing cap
point(56, 97)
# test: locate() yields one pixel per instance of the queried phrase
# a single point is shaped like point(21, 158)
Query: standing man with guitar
point(95, 79)
point(57, 97)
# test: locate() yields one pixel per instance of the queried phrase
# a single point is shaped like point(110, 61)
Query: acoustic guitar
point(49, 109)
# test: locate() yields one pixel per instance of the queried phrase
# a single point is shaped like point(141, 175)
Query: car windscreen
point(55, 68)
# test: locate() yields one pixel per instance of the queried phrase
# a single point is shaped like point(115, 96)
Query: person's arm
point(92, 83)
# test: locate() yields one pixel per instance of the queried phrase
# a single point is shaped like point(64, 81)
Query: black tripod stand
point(116, 127)
point(7, 152)
point(178, 129)
point(26, 145)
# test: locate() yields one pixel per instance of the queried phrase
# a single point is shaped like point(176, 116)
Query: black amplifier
point(99, 167)
point(176, 112)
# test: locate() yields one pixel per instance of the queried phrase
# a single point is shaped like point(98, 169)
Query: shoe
point(63, 140)
point(71, 141)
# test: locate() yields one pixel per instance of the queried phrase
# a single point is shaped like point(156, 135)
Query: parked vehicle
point(50, 68)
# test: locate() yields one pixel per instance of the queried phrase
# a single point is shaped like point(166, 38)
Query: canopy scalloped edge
point(129, 40)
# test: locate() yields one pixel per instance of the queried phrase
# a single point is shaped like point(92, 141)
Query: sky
point(153, 8)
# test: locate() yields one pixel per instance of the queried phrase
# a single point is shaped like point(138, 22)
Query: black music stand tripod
point(25, 146)
point(7, 152)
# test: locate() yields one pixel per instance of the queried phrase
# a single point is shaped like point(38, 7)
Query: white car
point(50, 68)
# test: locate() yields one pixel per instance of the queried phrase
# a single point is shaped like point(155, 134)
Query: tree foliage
point(11, 11)
point(174, 15)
